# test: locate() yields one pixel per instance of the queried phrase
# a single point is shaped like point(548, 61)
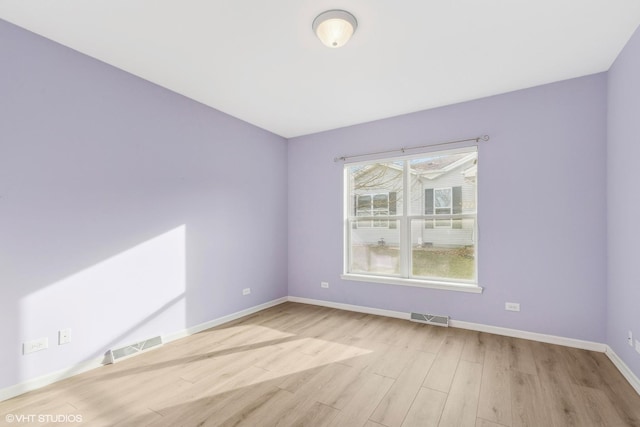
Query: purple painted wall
point(542, 219)
point(126, 210)
point(623, 201)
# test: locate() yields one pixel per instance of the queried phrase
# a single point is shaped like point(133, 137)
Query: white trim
point(88, 365)
point(533, 336)
point(221, 320)
point(350, 307)
point(351, 216)
point(460, 287)
point(44, 380)
point(405, 224)
point(624, 369)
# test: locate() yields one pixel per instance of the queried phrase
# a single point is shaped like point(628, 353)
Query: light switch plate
point(35, 345)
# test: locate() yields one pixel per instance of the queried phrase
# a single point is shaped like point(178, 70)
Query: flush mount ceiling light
point(334, 28)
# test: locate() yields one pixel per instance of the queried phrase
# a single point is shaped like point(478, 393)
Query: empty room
point(315, 213)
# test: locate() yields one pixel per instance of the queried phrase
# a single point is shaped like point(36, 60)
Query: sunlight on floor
point(241, 357)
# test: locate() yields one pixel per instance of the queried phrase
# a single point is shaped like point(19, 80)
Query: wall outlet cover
point(64, 336)
point(512, 306)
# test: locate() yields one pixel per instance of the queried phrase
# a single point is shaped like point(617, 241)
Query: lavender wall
point(623, 149)
point(126, 210)
point(541, 216)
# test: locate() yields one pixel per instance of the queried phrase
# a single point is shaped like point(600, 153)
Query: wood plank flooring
point(302, 365)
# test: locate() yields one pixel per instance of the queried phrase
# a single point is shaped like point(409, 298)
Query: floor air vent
point(133, 349)
point(431, 319)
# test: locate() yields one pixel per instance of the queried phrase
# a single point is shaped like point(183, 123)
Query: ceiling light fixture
point(334, 28)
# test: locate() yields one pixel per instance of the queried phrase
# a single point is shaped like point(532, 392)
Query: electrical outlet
point(64, 336)
point(35, 345)
point(638, 346)
point(246, 291)
point(324, 284)
point(512, 306)
point(630, 339)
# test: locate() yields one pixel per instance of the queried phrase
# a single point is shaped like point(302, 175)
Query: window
point(372, 205)
point(443, 201)
point(413, 220)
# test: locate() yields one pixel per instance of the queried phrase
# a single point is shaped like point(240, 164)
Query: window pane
point(433, 176)
point(378, 183)
point(363, 208)
point(364, 205)
point(443, 253)
point(364, 223)
point(443, 223)
point(375, 250)
point(442, 198)
point(381, 223)
point(381, 201)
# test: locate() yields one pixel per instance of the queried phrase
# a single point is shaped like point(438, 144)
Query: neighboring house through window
point(375, 205)
point(443, 201)
point(412, 220)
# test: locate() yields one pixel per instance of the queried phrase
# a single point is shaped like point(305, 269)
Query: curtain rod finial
point(485, 137)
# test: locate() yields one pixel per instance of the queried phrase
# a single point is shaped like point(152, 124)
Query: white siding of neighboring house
point(366, 235)
point(420, 234)
point(452, 236)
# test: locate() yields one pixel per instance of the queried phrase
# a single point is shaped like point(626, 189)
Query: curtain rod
point(403, 149)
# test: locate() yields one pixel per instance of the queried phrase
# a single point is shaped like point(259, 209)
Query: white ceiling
point(259, 60)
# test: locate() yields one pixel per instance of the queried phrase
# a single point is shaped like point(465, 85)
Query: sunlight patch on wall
point(133, 295)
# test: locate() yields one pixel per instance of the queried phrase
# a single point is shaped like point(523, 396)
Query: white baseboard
point(44, 380)
point(350, 307)
point(624, 369)
point(221, 320)
point(551, 339)
point(88, 365)
point(532, 336)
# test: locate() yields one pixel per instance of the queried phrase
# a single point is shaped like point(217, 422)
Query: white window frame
point(404, 226)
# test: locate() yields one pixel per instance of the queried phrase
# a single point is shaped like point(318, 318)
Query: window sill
point(431, 284)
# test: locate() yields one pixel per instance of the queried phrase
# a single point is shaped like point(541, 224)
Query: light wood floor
point(301, 365)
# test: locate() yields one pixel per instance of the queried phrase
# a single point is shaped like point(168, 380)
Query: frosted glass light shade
point(334, 28)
